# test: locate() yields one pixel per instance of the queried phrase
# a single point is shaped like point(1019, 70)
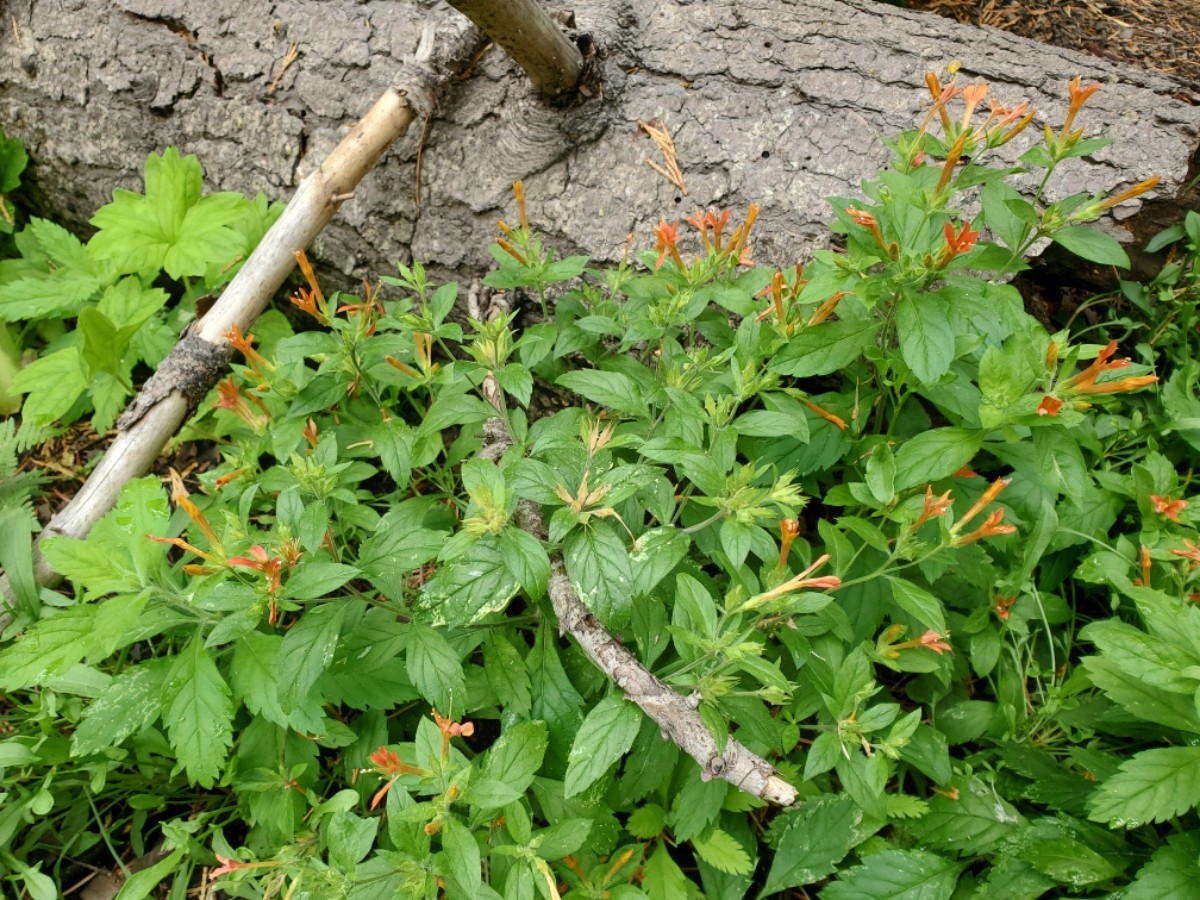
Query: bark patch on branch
point(191, 369)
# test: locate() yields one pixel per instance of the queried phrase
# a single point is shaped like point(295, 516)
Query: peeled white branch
point(196, 363)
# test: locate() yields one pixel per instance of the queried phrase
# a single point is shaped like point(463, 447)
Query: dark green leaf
point(814, 838)
point(896, 875)
point(434, 668)
point(306, 652)
point(606, 735)
point(598, 566)
point(198, 713)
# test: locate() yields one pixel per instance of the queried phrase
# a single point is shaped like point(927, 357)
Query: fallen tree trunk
point(777, 103)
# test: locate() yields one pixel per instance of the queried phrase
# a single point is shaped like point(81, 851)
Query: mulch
point(1163, 35)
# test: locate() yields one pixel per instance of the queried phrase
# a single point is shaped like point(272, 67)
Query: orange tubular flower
point(449, 728)
point(230, 398)
point(930, 640)
point(826, 309)
point(869, 222)
point(989, 495)
point(789, 530)
point(1003, 605)
point(825, 414)
point(972, 96)
point(388, 764)
point(270, 566)
point(1167, 507)
point(1079, 96)
point(244, 344)
point(797, 583)
point(1129, 193)
point(934, 507)
point(958, 243)
point(1190, 551)
point(990, 527)
point(667, 237)
point(1085, 382)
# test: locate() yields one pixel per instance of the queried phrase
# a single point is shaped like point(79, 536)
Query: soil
point(1163, 35)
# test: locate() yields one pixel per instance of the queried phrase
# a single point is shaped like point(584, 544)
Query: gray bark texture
point(767, 101)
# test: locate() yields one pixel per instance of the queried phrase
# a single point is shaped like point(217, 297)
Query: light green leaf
point(606, 735)
point(825, 348)
point(1092, 245)
point(506, 674)
point(516, 757)
point(612, 389)
point(54, 383)
point(1154, 786)
point(1171, 874)
point(721, 851)
point(141, 884)
point(318, 578)
point(934, 455)
point(896, 875)
point(462, 865)
point(198, 713)
point(170, 227)
point(474, 585)
point(252, 676)
point(526, 559)
point(918, 603)
point(49, 648)
point(350, 838)
point(563, 837)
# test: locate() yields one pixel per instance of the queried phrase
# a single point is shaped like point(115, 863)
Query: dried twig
point(659, 134)
point(293, 53)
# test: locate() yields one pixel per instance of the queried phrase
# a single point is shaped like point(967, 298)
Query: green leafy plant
point(169, 243)
point(873, 521)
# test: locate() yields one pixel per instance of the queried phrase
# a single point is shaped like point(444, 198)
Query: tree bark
point(777, 103)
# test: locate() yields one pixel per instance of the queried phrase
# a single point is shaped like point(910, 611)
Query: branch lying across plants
point(194, 366)
point(675, 715)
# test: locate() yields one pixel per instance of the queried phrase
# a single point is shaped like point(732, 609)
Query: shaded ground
point(1163, 35)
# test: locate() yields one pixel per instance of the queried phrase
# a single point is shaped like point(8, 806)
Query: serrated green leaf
point(462, 861)
point(517, 755)
point(598, 566)
point(170, 227)
point(816, 836)
point(697, 804)
point(647, 821)
point(506, 674)
point(198, 713)
point(526, 559)
point(977, 821)
point(434, 668)
point(50, 647)
point(1154, 786)
point(53, 383)
point(306, 652)
point(1171, 874)
point(252, 675)
point(1069, 861)
point(896, 875)
point(926, 335)
point(721, 851)
point(606, 735)
point(662, 878)
point(562, 838)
